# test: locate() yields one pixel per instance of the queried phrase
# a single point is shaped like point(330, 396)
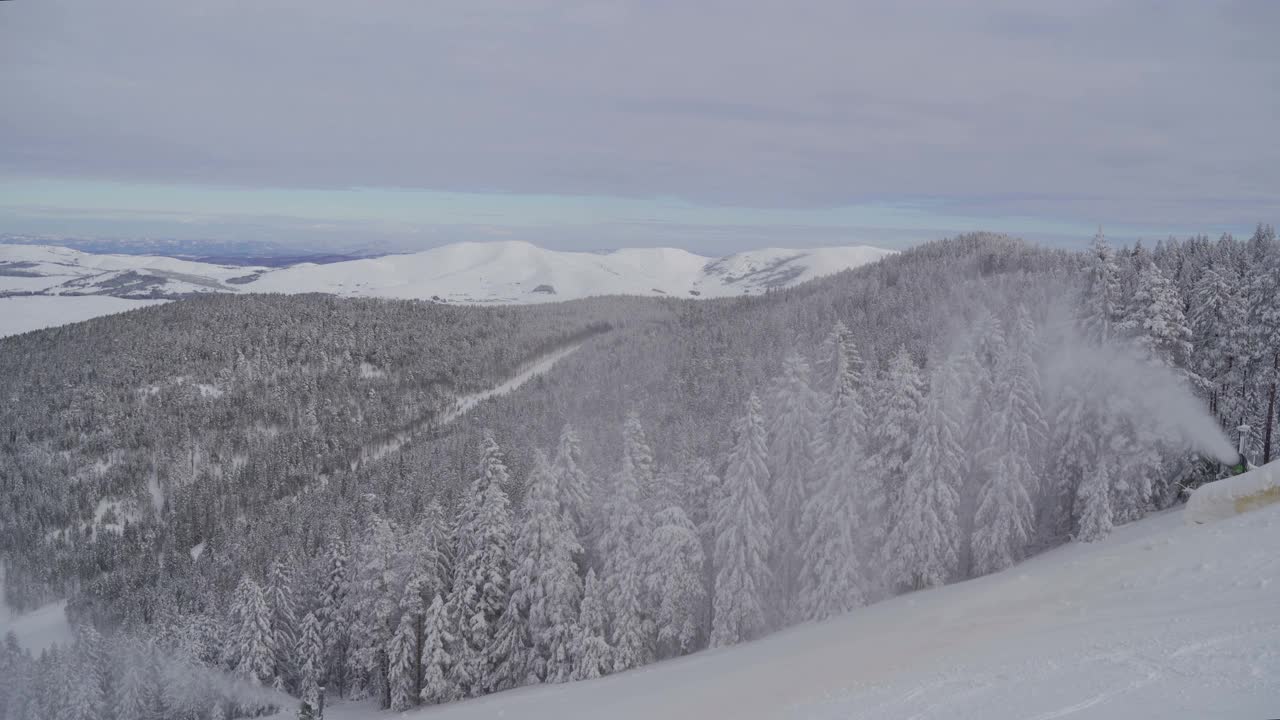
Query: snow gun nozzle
point(1239, 465)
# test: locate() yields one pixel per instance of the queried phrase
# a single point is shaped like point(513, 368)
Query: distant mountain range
point(468, 273)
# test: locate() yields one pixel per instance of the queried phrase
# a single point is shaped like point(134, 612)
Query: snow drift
point(1231, 496)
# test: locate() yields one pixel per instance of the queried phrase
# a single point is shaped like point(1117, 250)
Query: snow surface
point(1160, 620)
point(35, 312)
point(1234, 495)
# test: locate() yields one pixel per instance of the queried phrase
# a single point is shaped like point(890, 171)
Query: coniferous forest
point(248, 499)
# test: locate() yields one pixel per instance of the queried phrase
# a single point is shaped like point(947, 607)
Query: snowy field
point(1161, 620)
point(36, 312)
point(38, 629)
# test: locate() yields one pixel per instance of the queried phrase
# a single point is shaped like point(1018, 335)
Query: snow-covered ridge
point(519, 272)
point(499, 272)
point(44, 286)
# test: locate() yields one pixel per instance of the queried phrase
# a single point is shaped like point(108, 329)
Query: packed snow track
point(1163, 619)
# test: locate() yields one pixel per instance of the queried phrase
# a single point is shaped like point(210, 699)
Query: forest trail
point(463, 404)
point(1161, 619)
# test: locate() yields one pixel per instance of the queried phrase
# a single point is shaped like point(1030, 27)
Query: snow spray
point(1122, 383)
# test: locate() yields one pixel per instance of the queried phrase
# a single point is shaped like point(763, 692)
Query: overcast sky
point(704, 124)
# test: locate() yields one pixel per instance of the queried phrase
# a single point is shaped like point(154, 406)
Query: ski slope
point(1160, 620)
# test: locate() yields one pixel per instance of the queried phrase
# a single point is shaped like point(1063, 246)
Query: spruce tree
point(793, 415)
point(743, 533)
point(675, 569)
point(830, 580)
point(284, 621)
point(544, 580)
point(893, 435)
point(1101, 297)
point(310, 654)
point(1093, 505)
point(592, 655)
point(923, 544)
point(401, 653)
point(437, 683)
point(624, 533)
point(251, 653)
point(479, 594)
point(573, 489)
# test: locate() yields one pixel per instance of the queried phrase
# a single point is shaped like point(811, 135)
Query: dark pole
point(1271, 411)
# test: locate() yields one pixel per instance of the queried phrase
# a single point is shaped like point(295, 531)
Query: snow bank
point(1231, 496)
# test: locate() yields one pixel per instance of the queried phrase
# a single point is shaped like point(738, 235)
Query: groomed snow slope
point(1161, 620)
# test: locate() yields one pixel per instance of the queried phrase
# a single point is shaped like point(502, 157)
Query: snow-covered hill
point(518, 272)
point(46, 270)
point(473, 273)
point(1160, 620)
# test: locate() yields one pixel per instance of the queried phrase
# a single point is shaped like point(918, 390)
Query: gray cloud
point(1143, 112)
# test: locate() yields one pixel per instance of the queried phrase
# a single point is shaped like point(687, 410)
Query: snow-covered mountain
point(500, 272)
point(47, 270)
point(43, 286)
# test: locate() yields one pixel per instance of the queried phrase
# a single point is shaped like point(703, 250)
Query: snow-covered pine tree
point(437, 685)
point(423, 551)
point(637, 453)
point(401, 652)
point(830, 580)
point(1264, 321)
point(625, 532)
point(130, 699)
point(1093, 504)
point(793, 417)
point(1154, 319)
point(899, 396)
point(836, 358)
point(1101, 296)
point(284, 623)
point(373, 597)
point(544, 579)
point(592, 656)
point(251, 654)
point(674, 581)
point(573, 488)
point(510, 652)
point(481, 572)
point(310, 653)
point(923, 546)
point(1216, 311)
point(1005, 516)
point(1075, 447)
point(744, 529)
point(333, 619)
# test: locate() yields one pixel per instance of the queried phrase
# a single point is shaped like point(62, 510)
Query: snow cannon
point(1241, 464)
